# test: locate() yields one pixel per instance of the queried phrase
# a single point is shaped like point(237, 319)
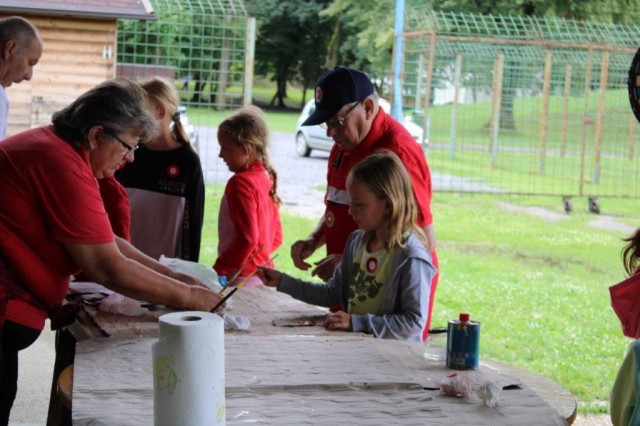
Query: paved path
point(301, 181)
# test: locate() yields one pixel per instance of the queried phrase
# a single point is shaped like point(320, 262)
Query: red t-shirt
point(248, 218)
point(48, 197)
point(386, 133)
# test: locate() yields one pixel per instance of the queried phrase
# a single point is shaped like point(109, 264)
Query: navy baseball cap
point(336, 88)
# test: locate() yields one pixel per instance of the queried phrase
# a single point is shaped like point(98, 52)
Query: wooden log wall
point(78, 54)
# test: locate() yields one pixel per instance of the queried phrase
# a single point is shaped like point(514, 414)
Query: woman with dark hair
point(53, 222)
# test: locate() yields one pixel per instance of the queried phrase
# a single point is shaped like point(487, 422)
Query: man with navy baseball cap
point(336, 88)
point(347, 107)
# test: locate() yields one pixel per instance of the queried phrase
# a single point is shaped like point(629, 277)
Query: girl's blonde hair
point(388, 179)
point(161, 92)
point(247, 127)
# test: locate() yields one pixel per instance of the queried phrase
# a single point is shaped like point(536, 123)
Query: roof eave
point(77, 13)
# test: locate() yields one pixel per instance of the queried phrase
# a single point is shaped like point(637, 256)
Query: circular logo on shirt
point(173, 171)
point(318, 95)
point(371, 265)
point(329, 219)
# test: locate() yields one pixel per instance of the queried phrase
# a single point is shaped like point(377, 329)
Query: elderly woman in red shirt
point(53, 222)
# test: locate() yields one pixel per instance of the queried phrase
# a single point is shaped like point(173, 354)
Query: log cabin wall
point(78, 54)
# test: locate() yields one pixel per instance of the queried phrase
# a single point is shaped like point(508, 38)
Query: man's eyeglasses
point(339, 121)
point(125, 145)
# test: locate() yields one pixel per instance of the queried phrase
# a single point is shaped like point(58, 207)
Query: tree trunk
point(304, 97)
point(334, 45)
point(281, 92)
point(223, 71)
point(197, 91)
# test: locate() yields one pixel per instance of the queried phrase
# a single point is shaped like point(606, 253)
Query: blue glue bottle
point(463, 343)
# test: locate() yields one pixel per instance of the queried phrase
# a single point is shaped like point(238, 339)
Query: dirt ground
point(593, 420)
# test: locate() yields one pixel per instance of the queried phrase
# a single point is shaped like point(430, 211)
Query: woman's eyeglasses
point(125, 145)
point(339, 121)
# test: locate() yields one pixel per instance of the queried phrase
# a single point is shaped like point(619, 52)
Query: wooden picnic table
point(287, 369)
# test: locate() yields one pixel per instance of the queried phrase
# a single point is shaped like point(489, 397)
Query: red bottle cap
point(464, 317)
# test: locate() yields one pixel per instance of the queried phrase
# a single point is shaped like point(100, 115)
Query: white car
point(314, 137)
point(188, 127)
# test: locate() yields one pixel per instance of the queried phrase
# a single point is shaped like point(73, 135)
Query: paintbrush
point(242, 283)
point(245, 263)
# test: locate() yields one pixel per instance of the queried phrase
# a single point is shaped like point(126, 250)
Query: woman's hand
point(338, 321)
point(203, 299)
point(270, 277)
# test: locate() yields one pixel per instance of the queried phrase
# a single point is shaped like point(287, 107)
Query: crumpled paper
point(118, 304)
point(489, 393)
point(238, 322)
point(463, 385)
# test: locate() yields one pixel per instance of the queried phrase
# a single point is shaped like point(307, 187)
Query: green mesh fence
point(522, 105)
point(206, 48)
point(198, 43)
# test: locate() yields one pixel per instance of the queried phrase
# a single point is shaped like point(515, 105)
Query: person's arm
point(318, 294)
point(313, 293)
point(130, 252)
point(116, 203)
point(302, 249)
point(107, 265)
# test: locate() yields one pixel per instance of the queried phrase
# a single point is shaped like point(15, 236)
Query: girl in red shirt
point(249, 226)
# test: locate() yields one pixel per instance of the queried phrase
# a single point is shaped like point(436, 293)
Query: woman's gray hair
point(118, 105)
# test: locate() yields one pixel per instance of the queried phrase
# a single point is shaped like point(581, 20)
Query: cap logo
point(318, 94)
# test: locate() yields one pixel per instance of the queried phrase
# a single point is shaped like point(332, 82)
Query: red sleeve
point(116, 203)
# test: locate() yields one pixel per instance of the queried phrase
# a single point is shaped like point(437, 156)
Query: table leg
point(58, 414)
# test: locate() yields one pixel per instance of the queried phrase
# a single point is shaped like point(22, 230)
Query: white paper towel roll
point(188, 370)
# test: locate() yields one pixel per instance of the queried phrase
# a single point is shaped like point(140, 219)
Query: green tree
point(291, 42)
point(363, 38)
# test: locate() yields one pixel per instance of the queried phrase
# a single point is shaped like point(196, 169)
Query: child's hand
point(338, 321)
point(270, 277)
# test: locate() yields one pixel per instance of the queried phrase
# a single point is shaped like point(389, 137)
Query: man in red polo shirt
point(347, 106)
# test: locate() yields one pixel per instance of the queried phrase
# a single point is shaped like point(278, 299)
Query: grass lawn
point(539, 288)
point(263, 91)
